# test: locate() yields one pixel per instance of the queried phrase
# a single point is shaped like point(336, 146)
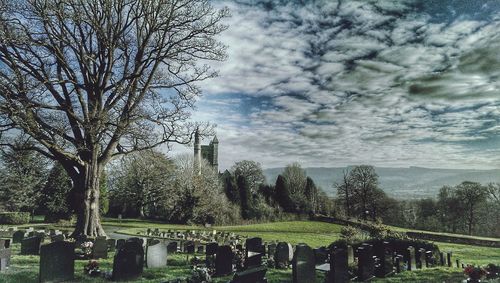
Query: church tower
point(215, 153)
point(197, 154)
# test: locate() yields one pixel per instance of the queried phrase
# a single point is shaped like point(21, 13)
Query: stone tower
point(208, 152)
point(197, 153)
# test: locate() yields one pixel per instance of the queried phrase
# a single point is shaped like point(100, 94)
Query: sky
point(335, 83)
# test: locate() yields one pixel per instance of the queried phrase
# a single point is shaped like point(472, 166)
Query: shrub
point(351, 234)
point(14, 217)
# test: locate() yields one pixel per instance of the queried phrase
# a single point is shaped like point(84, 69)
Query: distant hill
point(401, 183)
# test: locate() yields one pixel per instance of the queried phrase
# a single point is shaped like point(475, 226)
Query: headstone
point(458, 263)
point(156, 255)
point(31, 245)
point(254, 245)
point(281, 257)
point(428, 259)
point(200, 249)
point(366, 263)
point(57, 262)
point(189, 247)
point(412, 264)
point(350, 254)
point(128, 263)
point(100, 248)
point(303, 264)
point(253, 275)
point(448, 259)
point(211, 249)
point(7, 243)
point(111, 245)
point(18, 236)
point(398, 262)
point(339, 266)
point(5, 255)
point(57, 238)
point(290, 252)
point(172, 247)
point(119, 243)
point(421, 259)
point(385, 266)
point(223, 261)
point(320, 255)
point(441, 259)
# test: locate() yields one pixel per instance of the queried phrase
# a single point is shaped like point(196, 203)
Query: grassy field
point(25, 268)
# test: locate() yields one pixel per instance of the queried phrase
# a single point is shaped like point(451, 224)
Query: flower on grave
point(92, 268)
point(474, 272)
point(87, 248)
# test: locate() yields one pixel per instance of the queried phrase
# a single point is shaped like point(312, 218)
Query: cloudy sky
point(335, 83)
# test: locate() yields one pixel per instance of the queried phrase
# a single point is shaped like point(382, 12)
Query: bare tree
point(90, 80)
point(345, 191)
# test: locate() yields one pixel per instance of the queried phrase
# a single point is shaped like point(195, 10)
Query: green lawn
point(25, 268)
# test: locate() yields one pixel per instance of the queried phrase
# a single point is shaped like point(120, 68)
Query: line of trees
point(468, 208)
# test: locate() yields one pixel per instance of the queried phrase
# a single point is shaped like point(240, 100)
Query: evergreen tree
point(23, 175)
point(311, 195)
point(282, 196)
point(230, 188)
point(54, 195)
point(245, 197)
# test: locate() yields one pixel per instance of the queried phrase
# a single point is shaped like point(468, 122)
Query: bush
point(14, 217)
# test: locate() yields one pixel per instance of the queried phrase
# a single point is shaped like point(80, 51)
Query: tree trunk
point(88, 215)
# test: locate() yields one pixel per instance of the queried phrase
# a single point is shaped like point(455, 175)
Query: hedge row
point(14, 218)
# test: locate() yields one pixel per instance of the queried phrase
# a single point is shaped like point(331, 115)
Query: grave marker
point(57, 262)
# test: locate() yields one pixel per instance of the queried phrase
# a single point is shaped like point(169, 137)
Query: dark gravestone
point(281, 257)
point(366, 263)
point(100, 248)
point(5, 255)
point(31, 245)
point(448, 259)
point(57, 238)
point(253, 275)
point(254, 245)
point(211, 249)
point(172, 247)
point(120, 243)
point(111, 245)
point(140, 241)
point(57, 262)
point(320, 255)
point(339, 266)
point(18, 236)
point(128, 262)
point(410, 259)
point(429, 259)
point(189, 247)
point(210, 252)
point(156, 255)
point(385, 265)
point(7, 243)
point(442, 259)
point(223, 261)
point(200, 249)
point(303, 264)
point(254, 252)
